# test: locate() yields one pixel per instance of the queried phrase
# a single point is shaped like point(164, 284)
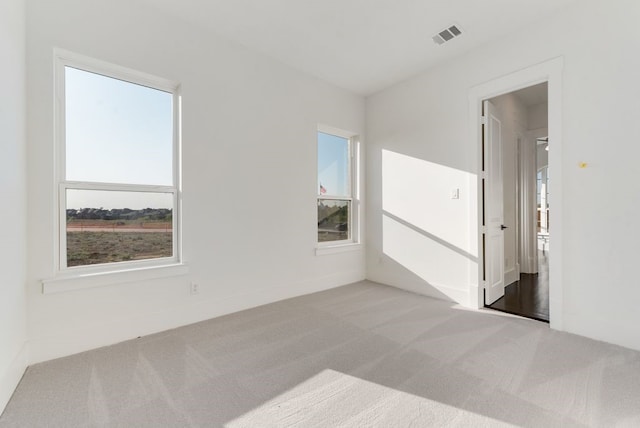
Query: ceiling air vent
point(447, 34)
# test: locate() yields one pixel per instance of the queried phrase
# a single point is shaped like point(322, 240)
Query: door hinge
point(483, 120)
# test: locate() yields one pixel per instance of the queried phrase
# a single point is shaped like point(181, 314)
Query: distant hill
point(147, 214)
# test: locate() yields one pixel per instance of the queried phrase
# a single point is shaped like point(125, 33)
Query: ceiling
point(360, 45)
point(533, 95)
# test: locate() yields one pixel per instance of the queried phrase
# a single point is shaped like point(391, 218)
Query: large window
point(337, 205)
point(118, 166)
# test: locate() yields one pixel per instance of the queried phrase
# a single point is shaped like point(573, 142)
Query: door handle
point(503, 227)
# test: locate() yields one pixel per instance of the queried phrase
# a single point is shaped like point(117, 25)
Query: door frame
point(551, 72)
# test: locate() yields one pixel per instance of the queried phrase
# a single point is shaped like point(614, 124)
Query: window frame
point(63, 59)
point(353, 142)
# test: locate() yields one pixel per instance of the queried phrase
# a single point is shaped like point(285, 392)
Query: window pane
point(116, 131)
point(333, 165)
point(334, 217)
point(110, 226)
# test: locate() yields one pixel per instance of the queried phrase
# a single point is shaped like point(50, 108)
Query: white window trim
point(66, 278)
point(354, 242)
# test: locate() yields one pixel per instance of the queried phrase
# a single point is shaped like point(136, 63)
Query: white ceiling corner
point(360, 45)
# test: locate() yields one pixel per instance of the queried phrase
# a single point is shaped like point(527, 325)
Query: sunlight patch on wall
point(443, 267)
point(421, 193)
point(429, 222)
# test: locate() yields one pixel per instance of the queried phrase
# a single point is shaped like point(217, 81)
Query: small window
point(119, 168)
point(336, 183)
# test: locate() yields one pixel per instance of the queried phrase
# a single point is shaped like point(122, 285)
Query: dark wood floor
point(528, 297)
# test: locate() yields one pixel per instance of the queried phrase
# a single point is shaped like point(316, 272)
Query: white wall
point(13, 234)
point(426, 119)
point(249, 170)
point(538, 116)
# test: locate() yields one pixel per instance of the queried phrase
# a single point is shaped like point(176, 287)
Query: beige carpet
point(360, 355)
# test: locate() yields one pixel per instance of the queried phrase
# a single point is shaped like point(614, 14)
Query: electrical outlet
point(194, 288)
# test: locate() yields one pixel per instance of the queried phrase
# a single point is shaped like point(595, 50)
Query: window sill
point(81, 281)
point(336, 249)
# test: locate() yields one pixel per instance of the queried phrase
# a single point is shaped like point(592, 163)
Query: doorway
point(549, 71)
point(516, 202)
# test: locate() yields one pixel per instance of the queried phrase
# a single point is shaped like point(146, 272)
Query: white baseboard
point(12, 375)
point(96, 336)
point(603, 329)
point(475, 301)
point(437, 291)
point(511, 276)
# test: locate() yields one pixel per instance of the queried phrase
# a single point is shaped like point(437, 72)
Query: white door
point(493, 205)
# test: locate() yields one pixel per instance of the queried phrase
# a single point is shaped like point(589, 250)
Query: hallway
point(528, 297)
